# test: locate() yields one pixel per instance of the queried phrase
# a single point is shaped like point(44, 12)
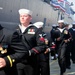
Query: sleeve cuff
point(29, 53)
point(49, 49)
point(9, 61)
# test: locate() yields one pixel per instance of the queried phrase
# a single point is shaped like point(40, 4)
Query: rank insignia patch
point(3, 51)
point(65, 32)
point(31, 31)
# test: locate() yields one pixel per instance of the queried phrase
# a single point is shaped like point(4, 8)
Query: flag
point(60, 0)
point(57, 5)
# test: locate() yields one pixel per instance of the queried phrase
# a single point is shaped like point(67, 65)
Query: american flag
point(57, 5)
point(60, 0)
point(63, 5)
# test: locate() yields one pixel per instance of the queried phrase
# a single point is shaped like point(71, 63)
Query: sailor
point(33, 42)
point(43, 58)
point(72, 31)
point(53, 37)
point(63, 40)
point(68, 47)
point(6, 61)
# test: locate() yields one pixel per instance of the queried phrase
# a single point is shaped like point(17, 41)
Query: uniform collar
point(23, 28)
point(61, 29)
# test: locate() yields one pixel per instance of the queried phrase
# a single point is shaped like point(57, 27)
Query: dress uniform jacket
point(4, 41)
point(5, 50)
point(43, 59)
point(29, 43)
point(34, 43)
point(53, 34)
point(53, 41)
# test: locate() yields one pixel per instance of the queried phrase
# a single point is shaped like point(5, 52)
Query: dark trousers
point(43, 64)
point(44, 68)
point(9, 71)
point(53, 52)
point(61, 58)
point(68, 63)
point(25, 69)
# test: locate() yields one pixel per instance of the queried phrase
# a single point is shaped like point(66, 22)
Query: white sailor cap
point(38, 24)
point(66, 23)
point(54, 25)
point(25, 11)
point(73, 23)
point(60, 21)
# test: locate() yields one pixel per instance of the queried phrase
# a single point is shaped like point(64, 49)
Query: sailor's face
point(60, 25)
point(25, 18)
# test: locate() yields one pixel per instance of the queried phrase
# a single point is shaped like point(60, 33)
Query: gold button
point(13, 60)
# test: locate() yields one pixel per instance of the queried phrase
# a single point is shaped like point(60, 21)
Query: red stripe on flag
point(60, 0)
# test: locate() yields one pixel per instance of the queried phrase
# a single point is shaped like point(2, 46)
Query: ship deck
point(55, 70)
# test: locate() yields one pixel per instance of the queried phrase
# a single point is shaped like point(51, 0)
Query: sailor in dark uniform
point(53, 34)
point(33, 42)
point(68, 48)
point(63, 40)
point(72, 44)
point(5, 50)
point(43, 58)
